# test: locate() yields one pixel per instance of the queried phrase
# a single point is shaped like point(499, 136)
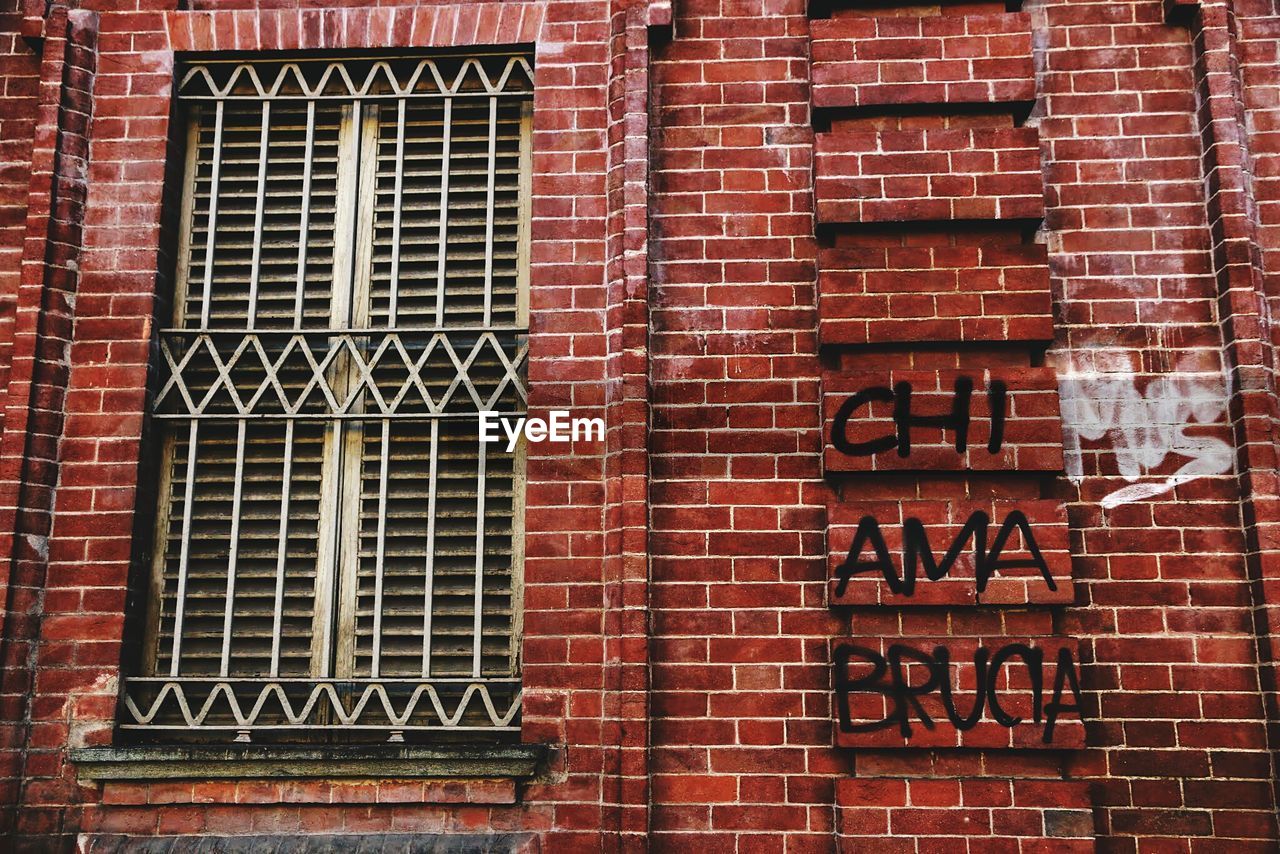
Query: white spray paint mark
point(78, 729)
point(1101, 400)
point(38, 545)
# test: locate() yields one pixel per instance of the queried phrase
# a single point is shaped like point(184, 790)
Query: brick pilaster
point(1245, 321)
point(627, 412)
point(35, 393)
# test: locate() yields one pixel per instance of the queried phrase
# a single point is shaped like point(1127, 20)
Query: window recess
point(336, 551)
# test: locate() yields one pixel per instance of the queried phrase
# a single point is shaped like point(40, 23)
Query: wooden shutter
point(251, 276)
point(440, 479)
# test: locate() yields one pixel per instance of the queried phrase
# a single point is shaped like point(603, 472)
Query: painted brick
point(876, 666)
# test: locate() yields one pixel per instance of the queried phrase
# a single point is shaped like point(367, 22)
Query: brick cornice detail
point(356, 28)
point(1245, 323)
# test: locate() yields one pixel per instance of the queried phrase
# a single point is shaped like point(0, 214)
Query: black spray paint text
point(957, 421)
point(916, 550)
point(888, 678)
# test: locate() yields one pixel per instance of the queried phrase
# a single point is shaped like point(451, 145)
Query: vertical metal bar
point(233, 553)
point(327, 546)
point(378, 569)
point(186, 225)
point(393, 298)
point(429, 591)
point(489, 212)
point(256, 264)
point(518, 478)
point(441, 253)
point(213, 216)
point(478, 622)
point(282, 544)
point(180, 605)
point(305, 224)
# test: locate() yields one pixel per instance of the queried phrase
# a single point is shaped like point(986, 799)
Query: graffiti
point(888, 678)
point(957, 421)
point(916, 550)
point(1145, 426)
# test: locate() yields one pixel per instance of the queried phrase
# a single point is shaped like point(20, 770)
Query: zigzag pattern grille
point(389, 369)
point(221, 708)
point(334, 80)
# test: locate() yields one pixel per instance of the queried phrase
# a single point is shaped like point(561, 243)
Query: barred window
point(336, 550)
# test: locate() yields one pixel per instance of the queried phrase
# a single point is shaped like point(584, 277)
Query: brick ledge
point(221, 762)
point(408, 843)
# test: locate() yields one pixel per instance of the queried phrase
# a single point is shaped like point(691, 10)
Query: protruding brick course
point(944, 174)
point(861, 62)
point(884, 295)
point(957, 691)
point(962, 538)
point(998, 420)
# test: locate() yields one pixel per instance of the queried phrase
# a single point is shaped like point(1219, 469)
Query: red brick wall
point(742, 733)
point(737, 226)
point(1172, 636)
point(76, 666)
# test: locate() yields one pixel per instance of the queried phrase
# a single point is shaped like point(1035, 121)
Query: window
point(335, 549)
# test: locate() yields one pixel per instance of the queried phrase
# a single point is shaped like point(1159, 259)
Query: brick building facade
point(937, 507)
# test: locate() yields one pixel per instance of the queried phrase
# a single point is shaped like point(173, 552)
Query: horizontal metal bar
point(415, 96)
point(218, 704)
point(348, 330)
point(346, 416)
point(306, 680)
point(479, 52)
point(313, 727)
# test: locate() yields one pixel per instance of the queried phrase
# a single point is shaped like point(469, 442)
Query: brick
point(931, 175)
point(720, 164)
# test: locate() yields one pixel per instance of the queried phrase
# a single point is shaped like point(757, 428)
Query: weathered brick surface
point(73, 700)
point(1165, 576)
point(867, 61)
point(678, 634)
point(19, 71)
point(1019, 815)
point(933, 174)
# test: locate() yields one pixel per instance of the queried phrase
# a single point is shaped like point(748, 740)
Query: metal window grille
point(335, 547)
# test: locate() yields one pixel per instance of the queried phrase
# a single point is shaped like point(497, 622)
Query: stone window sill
point(207, 762)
